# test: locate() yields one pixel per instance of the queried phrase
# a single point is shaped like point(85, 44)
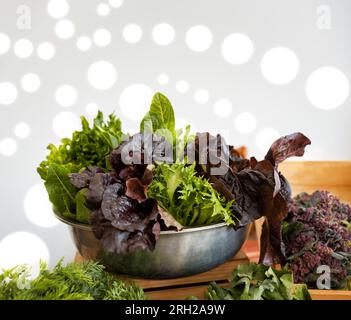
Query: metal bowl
point(177, 253)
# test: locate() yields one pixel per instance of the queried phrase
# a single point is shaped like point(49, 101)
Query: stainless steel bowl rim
point(184, 230)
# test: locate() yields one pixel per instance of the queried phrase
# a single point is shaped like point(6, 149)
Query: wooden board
point(330, 294)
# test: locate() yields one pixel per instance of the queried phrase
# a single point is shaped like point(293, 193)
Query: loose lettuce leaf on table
point(259, 282)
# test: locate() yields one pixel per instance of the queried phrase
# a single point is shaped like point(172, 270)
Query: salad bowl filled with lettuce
point(163, 202)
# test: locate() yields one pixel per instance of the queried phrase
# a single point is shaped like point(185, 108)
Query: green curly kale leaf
point(189, 198)
point(88, 147)
point(85, 281)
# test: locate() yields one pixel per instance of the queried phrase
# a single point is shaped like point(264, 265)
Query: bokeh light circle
point(327, 88)
point(102, 75)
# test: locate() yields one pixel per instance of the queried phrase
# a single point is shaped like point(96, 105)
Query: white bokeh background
point(251, 70)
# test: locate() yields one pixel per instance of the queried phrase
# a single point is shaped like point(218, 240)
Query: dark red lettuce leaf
point(82, 179)
point(123, 219)
point(272, 247)
point(97, 187)
point(130, 227)
point(212, 155)
point(136, 188)
point(292, 145)
point(257, 188)
point(131, 171)
point(111, 198)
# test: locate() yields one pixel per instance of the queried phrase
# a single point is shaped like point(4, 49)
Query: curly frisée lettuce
point(188, 197)
point(88, 147)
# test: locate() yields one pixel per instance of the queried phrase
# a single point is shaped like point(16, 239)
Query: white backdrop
point(251, 70)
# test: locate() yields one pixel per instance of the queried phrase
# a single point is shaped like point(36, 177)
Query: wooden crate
point(334, 176)
point(330, 294)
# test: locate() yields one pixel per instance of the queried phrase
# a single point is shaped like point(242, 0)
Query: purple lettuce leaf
point(257, 187)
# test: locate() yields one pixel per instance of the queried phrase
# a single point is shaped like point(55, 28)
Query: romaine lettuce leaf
point(82, 209)
point(159, 117)
point(61, 191)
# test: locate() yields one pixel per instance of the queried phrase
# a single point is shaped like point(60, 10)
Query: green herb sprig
point(83, 281)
